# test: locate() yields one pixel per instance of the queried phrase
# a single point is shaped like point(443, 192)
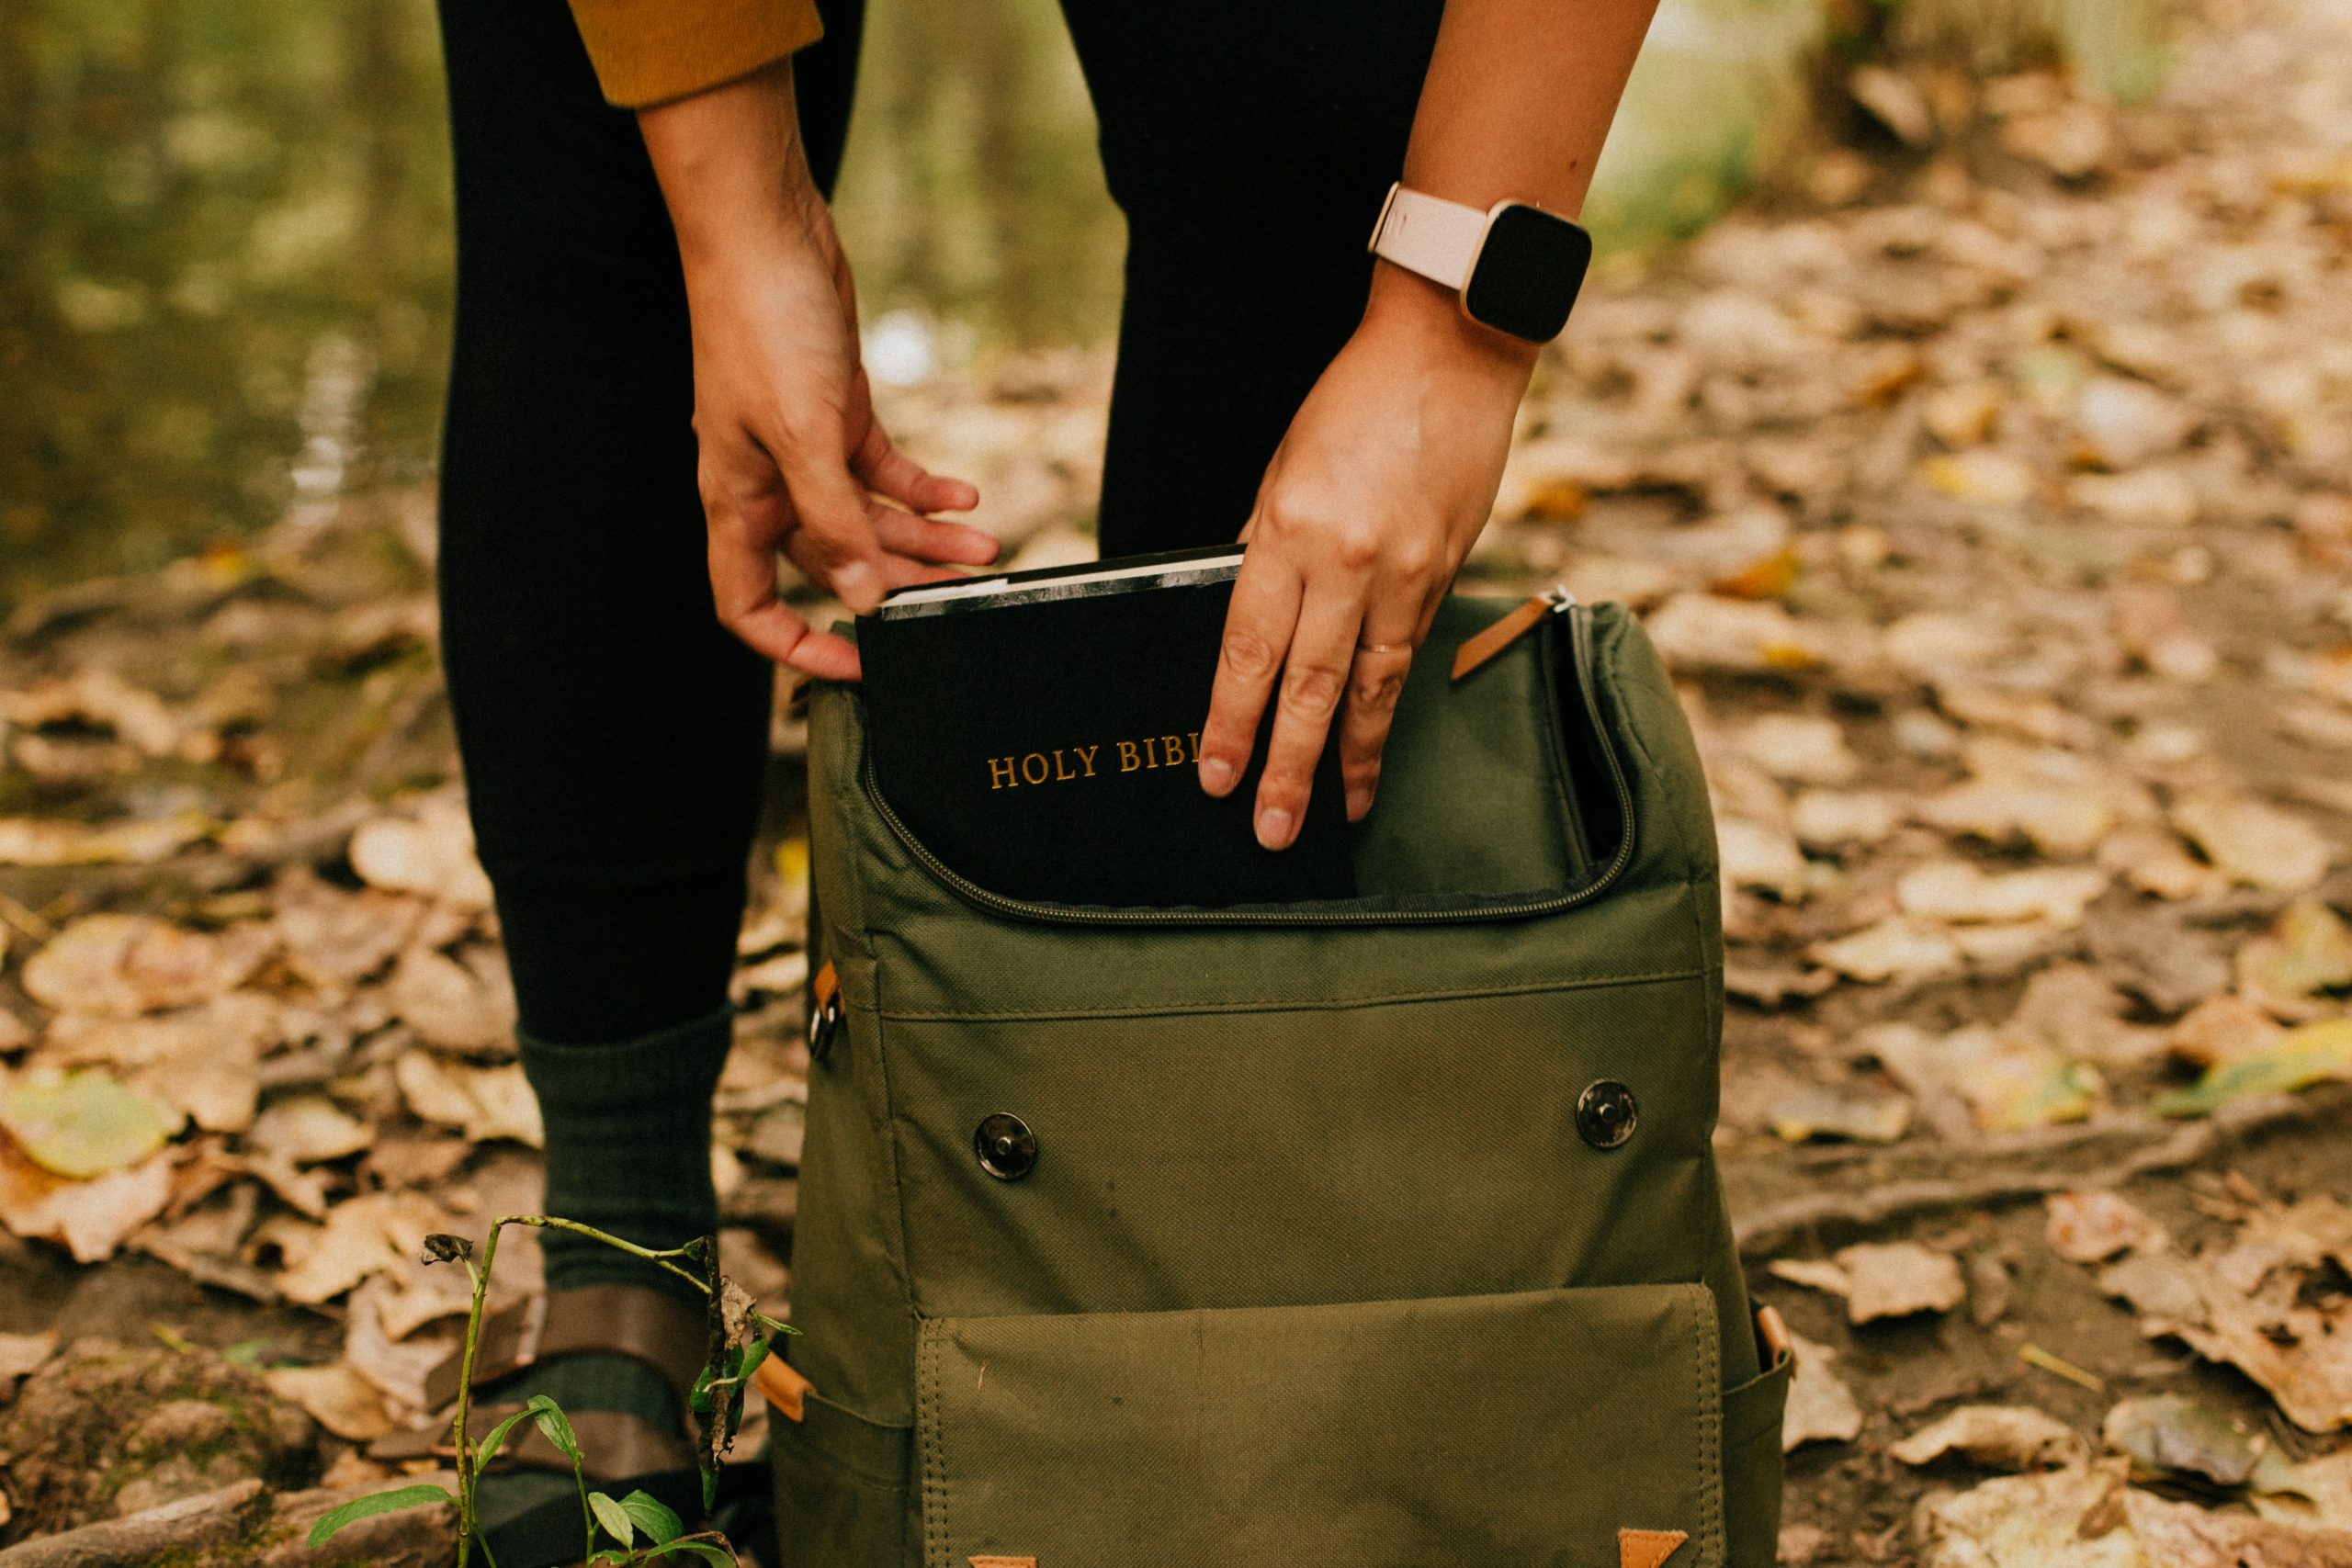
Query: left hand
point(1377, 491)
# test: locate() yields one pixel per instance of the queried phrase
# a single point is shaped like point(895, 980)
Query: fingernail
point(1273, 828)
point(1216, 774)
point(858, 587)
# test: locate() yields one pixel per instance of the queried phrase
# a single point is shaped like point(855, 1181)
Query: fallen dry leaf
point(21, 1355)
point(1882, 1279)
point(447, 1004)
point(97, 699)
point(1957, 890)
point(1996, 1437)
point(336, 1397)
point(2060, 1518)
point(1799, 748)
point(92, 1218)
point(2221, 1028)
point(396, 1368)
point(2184, 1534)
point(485, 1102)
point(1892, 949)
point(204, 1060)
point(123, 966)
point(2075, 1010)
point(26, 840)
point(429, 852)
point(1898, 1278)
point(2152, 861)
point(1821, 1408)
point(2246, 1304)
point(336, 938)
point(2169, 1437)
point(372, 1234)
point(2091, 1227)
point(1766, 859)
point(2257, 843)
point(1980, 475)
point(306, 1129)
point(1813, 1112)
point(2307, 951)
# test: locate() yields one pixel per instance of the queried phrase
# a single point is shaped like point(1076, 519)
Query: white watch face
point(1528, 273)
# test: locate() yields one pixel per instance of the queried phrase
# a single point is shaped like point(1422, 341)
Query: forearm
point(731, 164)
point(1517, 103)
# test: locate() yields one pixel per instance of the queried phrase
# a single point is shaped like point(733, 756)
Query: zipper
point(1557, 600)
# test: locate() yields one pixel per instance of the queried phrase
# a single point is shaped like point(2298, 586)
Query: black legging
point(613, 732)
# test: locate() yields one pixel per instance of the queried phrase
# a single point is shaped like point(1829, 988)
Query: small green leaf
point(754, 1354)
point(376, 1503)
point(701, 1549)
point(488, 1447)
point(699, 1400)
point(551, 1420)
point(651, 1514)
point(83, 1125)
point(613, 1518)
point(710, 1481)
point(613, 1554)
point(2296, 1060)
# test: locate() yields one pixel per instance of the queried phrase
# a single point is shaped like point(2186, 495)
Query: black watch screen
point(1528, 273)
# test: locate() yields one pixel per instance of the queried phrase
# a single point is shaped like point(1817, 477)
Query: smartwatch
point(1516, 268)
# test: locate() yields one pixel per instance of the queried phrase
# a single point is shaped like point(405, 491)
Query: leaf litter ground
point(1989, 499)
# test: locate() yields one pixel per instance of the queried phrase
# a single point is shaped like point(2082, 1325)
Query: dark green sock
point(629, 1147)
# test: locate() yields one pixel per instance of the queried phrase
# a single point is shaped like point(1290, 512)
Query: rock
point(106, 1428)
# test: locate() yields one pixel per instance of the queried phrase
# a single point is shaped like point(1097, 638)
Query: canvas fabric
point(1314, 1268)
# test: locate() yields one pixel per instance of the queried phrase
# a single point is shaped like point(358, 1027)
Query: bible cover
point(1039, 733)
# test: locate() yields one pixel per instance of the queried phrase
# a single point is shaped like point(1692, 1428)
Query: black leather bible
point(1039, 733)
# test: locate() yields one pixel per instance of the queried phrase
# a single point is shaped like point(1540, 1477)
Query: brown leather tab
point(781, 1384)
point(1772, 1332)
point(1647, 1549)
point(1476, 650)
point(667, 1333)
point(825, 987)
point(1002, 1561)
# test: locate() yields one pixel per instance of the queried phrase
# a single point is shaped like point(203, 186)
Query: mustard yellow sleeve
point(648, 51)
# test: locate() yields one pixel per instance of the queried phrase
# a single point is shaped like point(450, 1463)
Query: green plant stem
point(480, 1278)
point(467, 1532)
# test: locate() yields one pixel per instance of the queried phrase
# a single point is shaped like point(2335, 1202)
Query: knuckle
point(1355, 548)
point(1312, 691)
point(1377, 693)
point(1246, 653)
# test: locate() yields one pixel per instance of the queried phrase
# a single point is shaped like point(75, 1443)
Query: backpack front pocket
point(1544, 1429)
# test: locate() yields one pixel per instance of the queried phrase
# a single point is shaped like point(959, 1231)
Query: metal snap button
point(1606, 1113)
point(1007, 1149)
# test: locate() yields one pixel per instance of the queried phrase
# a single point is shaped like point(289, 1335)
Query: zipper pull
point(1554, 600)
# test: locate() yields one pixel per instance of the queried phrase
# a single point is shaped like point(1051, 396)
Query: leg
point(1248, 142)
point(613, 735)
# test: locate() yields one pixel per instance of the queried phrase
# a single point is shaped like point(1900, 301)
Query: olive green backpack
point(1330, 1236)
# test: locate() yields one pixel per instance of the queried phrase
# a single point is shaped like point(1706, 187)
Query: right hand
point(792, 457)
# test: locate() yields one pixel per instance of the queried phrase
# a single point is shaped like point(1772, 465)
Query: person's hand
point(1377, 491)
point(792, 459)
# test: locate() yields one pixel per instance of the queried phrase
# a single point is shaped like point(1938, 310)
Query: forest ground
point(1986, 489)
